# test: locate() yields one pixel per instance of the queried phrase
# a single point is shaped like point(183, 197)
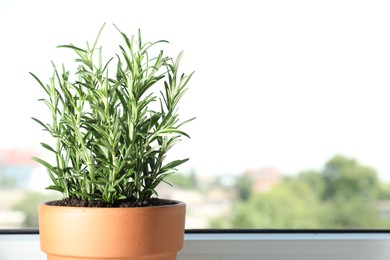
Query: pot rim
point(175, 203)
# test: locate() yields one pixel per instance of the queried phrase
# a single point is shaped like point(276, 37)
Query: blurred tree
point(185, 181)
point(314, 179)
point(347, 179)
point(244, 186)
point(193, 179)
point(384, 191)
point(351, 191)
point(343, 195)
point(353, 213)
point(29, 206)
point(292, 204)
point(7, 181)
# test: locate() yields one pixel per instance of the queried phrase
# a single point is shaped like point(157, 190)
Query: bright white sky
point(277, 83)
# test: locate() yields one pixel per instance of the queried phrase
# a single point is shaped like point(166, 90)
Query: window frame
point(242, 244)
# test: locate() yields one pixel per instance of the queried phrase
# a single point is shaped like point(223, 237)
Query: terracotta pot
point(112, 233)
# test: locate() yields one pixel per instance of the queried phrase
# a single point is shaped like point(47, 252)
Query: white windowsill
point(307, 246)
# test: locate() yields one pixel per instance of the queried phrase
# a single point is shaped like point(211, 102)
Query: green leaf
point(42, 124)
point(122, 197)
point(44, 163)
point(40, 83)
point(72, 47)
point(48, 147)
point(185, 122)
point(173, 165)
point(55, 187)
point(98, 36)
point(171, 131)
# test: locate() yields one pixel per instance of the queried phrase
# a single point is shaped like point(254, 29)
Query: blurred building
point(264, 179)
point(16, 168)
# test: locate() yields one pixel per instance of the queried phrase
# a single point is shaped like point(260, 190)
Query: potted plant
point(112, 125)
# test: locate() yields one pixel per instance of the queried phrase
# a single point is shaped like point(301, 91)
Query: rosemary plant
point(112, 133)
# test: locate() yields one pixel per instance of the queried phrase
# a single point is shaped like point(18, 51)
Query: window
point(292, 126)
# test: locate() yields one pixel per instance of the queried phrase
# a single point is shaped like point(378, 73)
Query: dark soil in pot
point(101, 204)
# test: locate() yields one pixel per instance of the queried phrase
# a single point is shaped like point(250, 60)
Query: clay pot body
point(146, 233)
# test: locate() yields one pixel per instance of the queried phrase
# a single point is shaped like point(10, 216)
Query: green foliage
point(384, 191)
point(244, 187)
point(112, 133)
point(188, 181)
point(28, 205)
point(314, 180)
point(292, 205)
point(353, 213)
point(347, 178)
point(343, 195)
point(6, 181)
